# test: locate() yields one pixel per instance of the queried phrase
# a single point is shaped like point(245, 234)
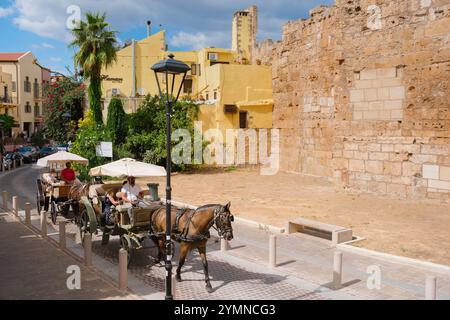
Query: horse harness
point(182, 235)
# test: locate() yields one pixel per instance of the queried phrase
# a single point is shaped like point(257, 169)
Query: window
point(36, 89)
point(27, 107)
point(199, 70)
point(14, 86)
point(193, 69)
point(243, 120)
point(187, 87)
point(36, 110)
point(27, 85)
point(207, 96)
point(215, 95)
point(213, 56)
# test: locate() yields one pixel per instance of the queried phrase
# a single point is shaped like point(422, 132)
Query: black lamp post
point(169, 68)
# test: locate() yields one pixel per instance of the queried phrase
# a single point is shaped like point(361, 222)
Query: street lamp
point(169, 67)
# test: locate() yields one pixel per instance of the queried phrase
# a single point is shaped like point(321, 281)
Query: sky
point(41, 26)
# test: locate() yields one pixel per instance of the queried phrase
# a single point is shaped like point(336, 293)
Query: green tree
point(8, 122)
point(146, 138)
point(89, 135)
point(117, 121)
point(96, 49)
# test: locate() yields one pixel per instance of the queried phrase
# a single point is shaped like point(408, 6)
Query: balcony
point(8, 100)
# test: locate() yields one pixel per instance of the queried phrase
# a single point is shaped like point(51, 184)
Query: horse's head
point(223, 219)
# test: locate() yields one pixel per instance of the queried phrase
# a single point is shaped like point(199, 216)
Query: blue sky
point(40, 25)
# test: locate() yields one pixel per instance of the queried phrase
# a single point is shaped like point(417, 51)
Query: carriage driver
point(132, 195)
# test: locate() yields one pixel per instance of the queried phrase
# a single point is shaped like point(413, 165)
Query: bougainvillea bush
point(62, 97)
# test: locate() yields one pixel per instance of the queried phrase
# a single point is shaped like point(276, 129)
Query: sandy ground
point(415, 229)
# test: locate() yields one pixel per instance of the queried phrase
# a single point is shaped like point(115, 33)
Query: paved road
point(21, 182)
point(304, 265)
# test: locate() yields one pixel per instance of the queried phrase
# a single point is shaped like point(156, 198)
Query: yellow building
point(24, 92)
point(231, 92)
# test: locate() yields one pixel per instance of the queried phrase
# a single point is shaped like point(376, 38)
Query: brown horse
point(191, 228)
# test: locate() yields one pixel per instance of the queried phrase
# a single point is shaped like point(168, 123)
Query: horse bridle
point(219, 214)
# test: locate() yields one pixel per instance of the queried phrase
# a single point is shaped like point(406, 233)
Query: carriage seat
point(100, 190)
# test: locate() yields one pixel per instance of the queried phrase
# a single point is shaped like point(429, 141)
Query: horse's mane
point(207, 206)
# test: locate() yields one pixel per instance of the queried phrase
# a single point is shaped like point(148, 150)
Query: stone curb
point(429, 266)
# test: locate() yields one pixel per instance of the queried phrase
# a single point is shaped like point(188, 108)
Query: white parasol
point(128, 167)
point(61, 157)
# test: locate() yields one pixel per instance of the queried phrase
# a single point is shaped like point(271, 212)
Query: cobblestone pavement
point(32, 268)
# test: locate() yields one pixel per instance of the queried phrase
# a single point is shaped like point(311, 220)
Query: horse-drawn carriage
point(53, 198)
point(52, 195)
point(132, 232)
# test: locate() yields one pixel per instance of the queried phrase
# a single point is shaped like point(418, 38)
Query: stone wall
point(362, 96)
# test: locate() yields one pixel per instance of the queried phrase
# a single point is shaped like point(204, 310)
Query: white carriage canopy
point(128, 167)
point(60, 159)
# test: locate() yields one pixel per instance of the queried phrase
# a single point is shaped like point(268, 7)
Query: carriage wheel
point(53, 212)
point(38, 203)
point(125, 243)
point(83, 224)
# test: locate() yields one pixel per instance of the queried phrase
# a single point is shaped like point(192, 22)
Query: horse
point(191, 229)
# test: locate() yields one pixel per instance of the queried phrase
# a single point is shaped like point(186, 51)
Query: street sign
point(105, 149)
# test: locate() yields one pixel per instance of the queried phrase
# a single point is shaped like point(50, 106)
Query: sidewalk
point(33, 268)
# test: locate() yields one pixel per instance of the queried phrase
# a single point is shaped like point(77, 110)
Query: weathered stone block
point(368, 74)
point(356, 165)
point(356, 95)
point(392, 168)
point(386, 73)
point(375, 167)
point(397, 93)
point(430, 171)
point(438, 184)
point(370, 94)
point(444, 173)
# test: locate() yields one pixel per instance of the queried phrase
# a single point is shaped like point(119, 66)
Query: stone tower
point(245, 27)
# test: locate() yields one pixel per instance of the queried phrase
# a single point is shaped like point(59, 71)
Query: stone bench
point(331, 232)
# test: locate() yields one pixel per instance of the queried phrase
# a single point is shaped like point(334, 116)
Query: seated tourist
point(108, 203)
point(68, 174)
point(132, 195)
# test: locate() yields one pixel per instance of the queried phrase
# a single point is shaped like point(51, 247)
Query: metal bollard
point(223, 244)
point(28, 213)
point(273, 251)
point(21, 162)
point(430, 288)
point(15, 205)
point(87, 244)
point(9, 166)
point(174, 288)
point(123, 269)
point(337, 270)
point(14, 163)
point(43, 224)
point(5, 199)
point(62, 235)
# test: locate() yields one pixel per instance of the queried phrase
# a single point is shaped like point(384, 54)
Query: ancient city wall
point(362, 94)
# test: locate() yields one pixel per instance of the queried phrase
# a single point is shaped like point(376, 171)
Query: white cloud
point(42, 46)
point(47, 46)
point(4, 12)
point(197, 20)
point(194, 41)
point(56, 59)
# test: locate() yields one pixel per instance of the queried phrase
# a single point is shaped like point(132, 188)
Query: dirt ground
point(415, 229)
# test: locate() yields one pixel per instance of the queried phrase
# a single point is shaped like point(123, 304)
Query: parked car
point(30, 154)
point(46, 151)
point(10, 157)
point(63, 147)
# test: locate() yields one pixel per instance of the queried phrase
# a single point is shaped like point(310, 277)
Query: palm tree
point(96, 48)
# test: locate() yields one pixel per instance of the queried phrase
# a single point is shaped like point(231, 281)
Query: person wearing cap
point(131, 195)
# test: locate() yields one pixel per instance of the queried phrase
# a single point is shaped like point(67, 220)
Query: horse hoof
point(178, 278)
point(209, 288)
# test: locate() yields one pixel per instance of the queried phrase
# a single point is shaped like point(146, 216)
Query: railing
point(8, 99)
